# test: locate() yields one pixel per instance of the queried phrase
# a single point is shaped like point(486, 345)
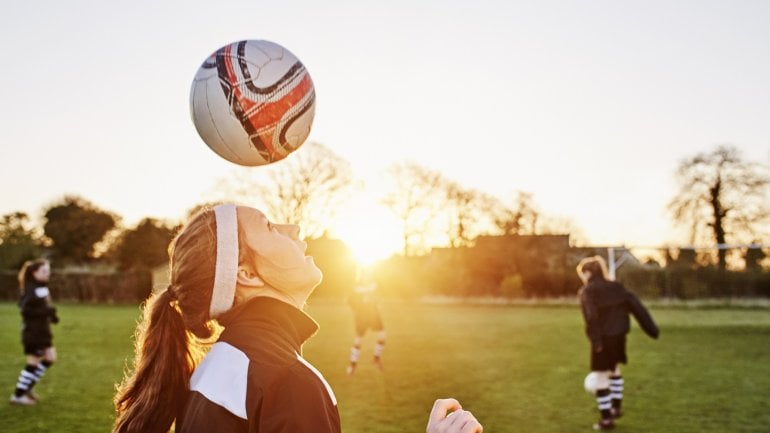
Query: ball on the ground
point(590, 382)
point(252, 102)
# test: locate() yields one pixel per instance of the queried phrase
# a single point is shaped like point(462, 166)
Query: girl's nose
point(290, 230)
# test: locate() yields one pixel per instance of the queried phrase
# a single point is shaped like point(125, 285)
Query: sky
point(588, 105)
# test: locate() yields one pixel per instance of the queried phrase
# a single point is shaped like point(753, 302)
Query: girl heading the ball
point(231, 266)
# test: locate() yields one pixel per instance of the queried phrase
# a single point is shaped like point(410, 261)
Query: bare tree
point(559, 225)
point(523, 217)
point(519, 219)
point(470, 213)
point(305, 188)
point(721, 197)
point(416, 198)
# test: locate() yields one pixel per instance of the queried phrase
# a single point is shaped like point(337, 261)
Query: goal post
point(617, 255)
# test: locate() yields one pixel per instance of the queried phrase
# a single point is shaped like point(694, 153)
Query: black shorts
point(36, 340)
point(35, 350)
point(613, 353)
point(373, 322)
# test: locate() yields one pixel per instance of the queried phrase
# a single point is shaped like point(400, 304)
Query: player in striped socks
point(38, 314)
point(606, 306)
point(366, 315)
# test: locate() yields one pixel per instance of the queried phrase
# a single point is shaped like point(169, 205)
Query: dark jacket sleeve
point(298, 402)
point(642, 316)
point(591, 317)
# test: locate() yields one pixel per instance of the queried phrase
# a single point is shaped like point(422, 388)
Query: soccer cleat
point(23, 400)
point(351, 369)
point(605, 424)
point(616, 412)
point(32, 394)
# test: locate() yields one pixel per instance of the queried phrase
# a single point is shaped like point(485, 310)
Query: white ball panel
point(216, 124)
point(276, 65)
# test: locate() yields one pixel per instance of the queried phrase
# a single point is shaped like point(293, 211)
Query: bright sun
point(369, 229)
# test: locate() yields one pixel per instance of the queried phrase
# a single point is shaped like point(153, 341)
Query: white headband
point(227, 260)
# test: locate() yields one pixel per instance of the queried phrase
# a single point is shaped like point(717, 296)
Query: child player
point(366, 315)
point(606, 305)
point(36, 337)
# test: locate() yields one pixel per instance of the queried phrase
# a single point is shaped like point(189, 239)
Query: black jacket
point(254, 379)
point(606, 306)
point(37, 314)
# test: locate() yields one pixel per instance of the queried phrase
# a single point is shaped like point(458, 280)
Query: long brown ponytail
point(174, 333)
point(27, 269)
point(149, 400)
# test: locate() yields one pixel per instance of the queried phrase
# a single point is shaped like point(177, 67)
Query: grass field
point(519, 369)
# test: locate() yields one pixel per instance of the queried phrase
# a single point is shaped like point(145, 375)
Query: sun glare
point(369, 229)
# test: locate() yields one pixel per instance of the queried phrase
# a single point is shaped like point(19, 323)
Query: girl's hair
point(27, 269)
point(595, 265)
point(173, 336)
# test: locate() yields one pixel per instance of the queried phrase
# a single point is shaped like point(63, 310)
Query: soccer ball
point(590, 382)
point(252, 102)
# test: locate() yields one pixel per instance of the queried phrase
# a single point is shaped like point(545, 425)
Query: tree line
point(721, 199)
point(76, 232)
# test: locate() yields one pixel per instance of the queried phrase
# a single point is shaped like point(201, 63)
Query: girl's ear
point(249, 278)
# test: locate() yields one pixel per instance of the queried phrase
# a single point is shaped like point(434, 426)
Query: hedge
point(116, 287)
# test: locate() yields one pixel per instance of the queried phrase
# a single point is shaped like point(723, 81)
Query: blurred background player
point(37, 315)
point(366, 315)
point(606, 305)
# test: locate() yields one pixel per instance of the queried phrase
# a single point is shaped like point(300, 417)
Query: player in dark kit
point(366, 315)
point(37, 315)
point(606, 306)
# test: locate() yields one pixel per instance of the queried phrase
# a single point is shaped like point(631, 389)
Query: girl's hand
point(457, 421)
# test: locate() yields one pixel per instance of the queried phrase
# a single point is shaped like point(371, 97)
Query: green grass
point(92, 343)
point(517, 368)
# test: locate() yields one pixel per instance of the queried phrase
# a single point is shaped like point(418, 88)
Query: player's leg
point(27, 377)
point(379, 347)
point(355, 350)
point(49, 357)
point(616, 392)
point(604, 400)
